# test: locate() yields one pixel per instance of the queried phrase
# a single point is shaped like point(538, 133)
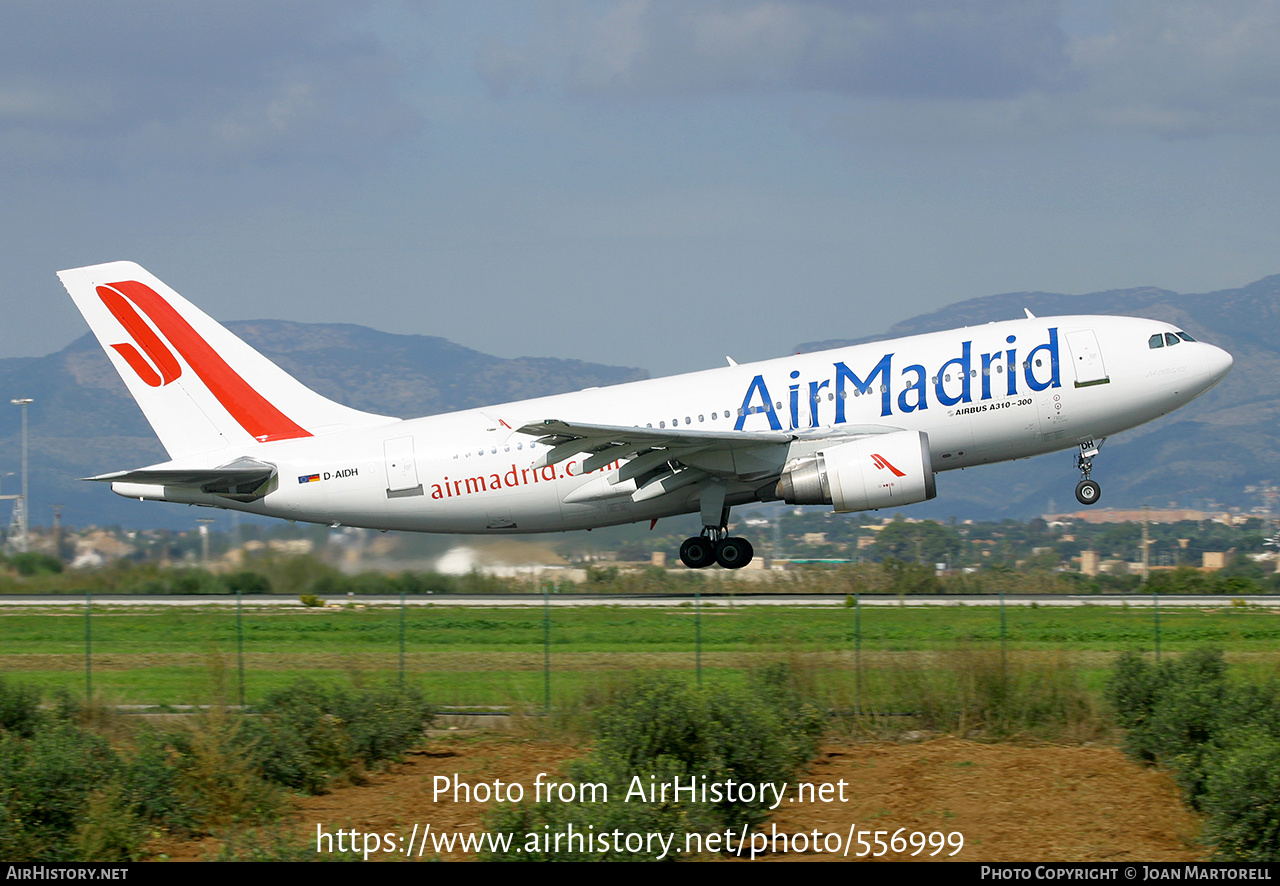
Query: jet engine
point(878, 471)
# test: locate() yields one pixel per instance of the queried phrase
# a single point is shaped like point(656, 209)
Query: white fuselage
point(982, 394)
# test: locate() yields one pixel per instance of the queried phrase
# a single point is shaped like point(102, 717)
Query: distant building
point(1151, 515)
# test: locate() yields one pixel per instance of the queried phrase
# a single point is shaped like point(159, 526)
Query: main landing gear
point(1087, 491)
point(715, 546)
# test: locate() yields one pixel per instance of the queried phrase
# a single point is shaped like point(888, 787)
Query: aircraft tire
point(734, 553)
point(1088, 492)
point(697, 552)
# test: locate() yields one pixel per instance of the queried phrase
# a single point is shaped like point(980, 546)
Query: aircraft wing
point(662, 460)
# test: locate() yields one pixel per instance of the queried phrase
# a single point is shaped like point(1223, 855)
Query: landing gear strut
point(714, 544)
point(1087, 491)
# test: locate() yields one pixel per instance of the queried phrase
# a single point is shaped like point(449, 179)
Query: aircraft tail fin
point(201, 387)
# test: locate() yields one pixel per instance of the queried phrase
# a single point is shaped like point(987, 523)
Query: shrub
point(45, 786)
point(33, 563)
point(19, 709)
point(1221, 739)
point(218, 782)
point(247, 582)
point(1171, 711)
point(660, 729)
point(110, 829)
point(1242, 797)
point(309, 736)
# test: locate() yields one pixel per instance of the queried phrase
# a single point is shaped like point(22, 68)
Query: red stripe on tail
point(251, 410)
point(161, 357)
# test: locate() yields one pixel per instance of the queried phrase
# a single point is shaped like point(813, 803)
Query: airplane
point(858, 428)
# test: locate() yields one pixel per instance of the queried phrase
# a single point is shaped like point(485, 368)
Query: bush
point(66, 794)
point(1171, 711)
point(661, 729)
point(19, 709)
point(1221, 739)
point(309, 736)
point(33, 563)
point(1242, 797)
point(45, 786)
point(247, 581)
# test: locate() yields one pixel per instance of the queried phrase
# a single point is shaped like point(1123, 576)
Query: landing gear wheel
point(697, 552)
point(734, 553)
point(1087, 492)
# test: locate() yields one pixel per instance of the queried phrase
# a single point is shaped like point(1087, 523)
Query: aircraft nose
point(1217, 364)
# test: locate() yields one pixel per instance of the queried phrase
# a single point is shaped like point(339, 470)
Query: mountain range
point(1216, 452)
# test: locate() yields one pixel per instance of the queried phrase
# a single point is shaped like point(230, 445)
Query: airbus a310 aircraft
point(857, 428)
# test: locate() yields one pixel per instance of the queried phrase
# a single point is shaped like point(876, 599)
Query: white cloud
point(1184, 67)
point(1009, 68)
point(143, 83)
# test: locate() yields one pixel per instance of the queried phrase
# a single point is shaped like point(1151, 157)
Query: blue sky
point(648, 184)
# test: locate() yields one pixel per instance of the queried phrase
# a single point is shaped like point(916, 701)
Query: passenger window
point(1170, 339)
point(1156, 341)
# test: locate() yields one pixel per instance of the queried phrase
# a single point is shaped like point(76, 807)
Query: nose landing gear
point(1087, 491)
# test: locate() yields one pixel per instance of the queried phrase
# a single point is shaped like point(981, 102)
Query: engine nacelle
point(880, 471)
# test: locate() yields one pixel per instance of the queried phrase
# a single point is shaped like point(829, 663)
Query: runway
point(257, 601)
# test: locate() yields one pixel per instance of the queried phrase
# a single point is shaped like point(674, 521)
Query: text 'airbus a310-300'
point(858, 428)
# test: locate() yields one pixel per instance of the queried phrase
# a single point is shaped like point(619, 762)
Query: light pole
point(24, 540)
point(204, 540)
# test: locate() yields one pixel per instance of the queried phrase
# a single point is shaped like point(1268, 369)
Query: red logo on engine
point(882, 462)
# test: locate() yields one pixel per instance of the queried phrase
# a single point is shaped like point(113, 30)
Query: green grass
point(495, 655)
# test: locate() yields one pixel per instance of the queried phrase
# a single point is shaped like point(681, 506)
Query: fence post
point(402, 612)
point(697, 629)
point(240, 646)
point(546, 648)
point(1004, 660)
point(857, 652)
point(88, 648)
point(1155, 602)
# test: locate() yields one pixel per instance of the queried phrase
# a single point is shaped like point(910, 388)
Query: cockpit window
point(1156, 341)
point(1185, 337)
point(1170, 339)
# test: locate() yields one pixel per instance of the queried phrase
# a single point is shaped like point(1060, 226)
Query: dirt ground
point(1011, 802)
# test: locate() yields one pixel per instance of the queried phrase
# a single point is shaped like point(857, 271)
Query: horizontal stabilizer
point(244, 479)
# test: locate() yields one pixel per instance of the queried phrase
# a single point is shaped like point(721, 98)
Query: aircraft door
point(1086, 358)
point(402, 468)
